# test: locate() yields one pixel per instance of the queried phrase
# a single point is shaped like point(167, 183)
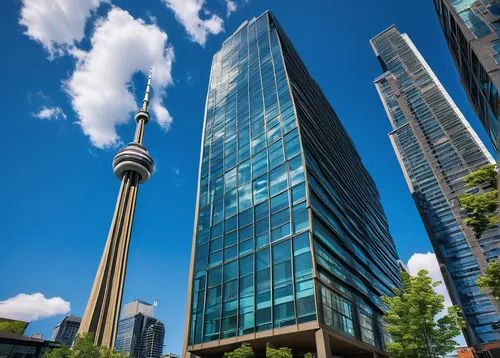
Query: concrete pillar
point(323, 348)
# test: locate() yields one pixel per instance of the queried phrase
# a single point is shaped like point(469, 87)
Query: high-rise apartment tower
point(291, 244)
point(140, 335)
point(66, 330)
point(472, 29)
point(437, 148)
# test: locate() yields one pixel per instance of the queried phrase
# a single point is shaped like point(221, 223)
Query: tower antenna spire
point(145, 101)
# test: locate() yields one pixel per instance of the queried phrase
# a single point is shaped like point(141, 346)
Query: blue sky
point(58, 186)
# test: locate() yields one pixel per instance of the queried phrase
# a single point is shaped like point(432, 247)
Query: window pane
point(303, 266)
point(284, 314)
point(292, 144)
point(215, 258)
point(276, 154)
point(216, 245)
point(230, 253)
point(246, 265)
point(280, 232)
point(300, 217)
point(246, 233)
point(279, 202)
point(280, 218)
point(230, 224)
point(244, 172)
point(277, 179)
point(230, 271)
point(263, 280)
point(298, 192)
point(259, 163)
point(230, 290)
point(281, 252)
point(262, 210)
point(296, 170)
point(214, 276)
point(245, 197)
point(231, 203)
point(246, 217)
point(246, 285)
point(262, 260)
point(230, 239)
point(301, 244)
point(260, 191)
point(246, 247)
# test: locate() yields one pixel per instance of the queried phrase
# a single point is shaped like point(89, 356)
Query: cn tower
point(133, 166)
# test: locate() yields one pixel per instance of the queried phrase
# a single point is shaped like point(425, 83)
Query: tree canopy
point(283, 352)
point(481, 208)
point(485, 175)
point(411, 320)
point(491, 279)
point(245, 351)
point(84, 347)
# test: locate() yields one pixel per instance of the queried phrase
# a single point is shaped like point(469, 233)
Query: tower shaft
point(132, 165)
point(103, 307)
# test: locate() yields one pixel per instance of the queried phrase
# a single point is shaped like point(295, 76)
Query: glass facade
point(139, 334)
point(280, 180)
point(66, 330)
point(437, 148)
point(472, 28)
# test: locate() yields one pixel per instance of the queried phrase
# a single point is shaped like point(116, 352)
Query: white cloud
point(100, 86)
point(49, 113)
point(32, 307)
point(231, 7)
point(187, 12)
point(56, 24)
point(430, 263)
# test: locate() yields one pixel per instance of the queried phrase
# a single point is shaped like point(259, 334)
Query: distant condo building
point(437, 148)
point(472, 29)
point(291, 244)
point(140, 335)
point(66, 330)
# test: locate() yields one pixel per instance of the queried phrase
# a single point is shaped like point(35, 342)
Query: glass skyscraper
point(437, 148)
point(66, 330)
point(140, 335)
point(472, 29)
point(291, 244)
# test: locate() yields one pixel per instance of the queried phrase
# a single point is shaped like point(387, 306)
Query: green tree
point(491, 279)
point(63, 352)
point(245, 351)
point(481, 208)
point(411, 320)
point(484, 175)
point(283, 352)
point(84, 347)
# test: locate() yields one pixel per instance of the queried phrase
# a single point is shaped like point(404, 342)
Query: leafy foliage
point(484, 175)
point(245, 351)
point(480, 207)
point(283, 352)
point(491, 279)
point(480, 210)
point(308, 355)
point(63, 352)
point(411, 320)
point(13, 326)
point(84, 347)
